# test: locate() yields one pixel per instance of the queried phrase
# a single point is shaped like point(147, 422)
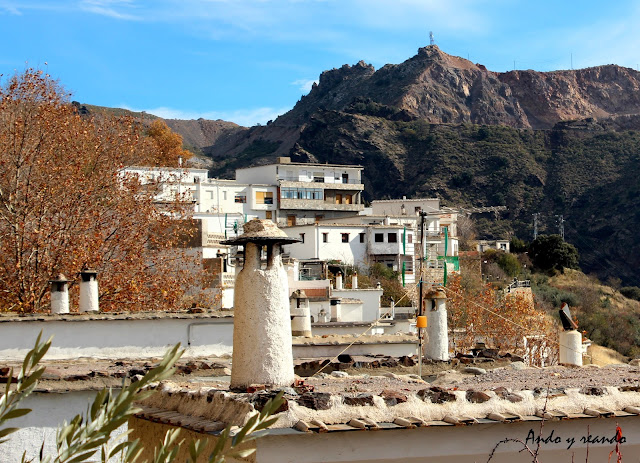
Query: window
point(302, 237)
point(325, 237)
point(224, 195)
point(345, 237)
point(240, 199)
point(211, 194)
point(318, 177)
point(264, 197)
point(362, 237)
point(408, 266)
point(338, 198)
point(348, 199)
point(379, 238)
point(409, 238)
point(345, 178)
point(301, 193)
point(393, 238)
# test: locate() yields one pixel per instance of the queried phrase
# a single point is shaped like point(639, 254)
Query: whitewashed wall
point(118, 338)
point(49, 412)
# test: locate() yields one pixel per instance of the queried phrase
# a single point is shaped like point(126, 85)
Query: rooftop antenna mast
point(432, 41)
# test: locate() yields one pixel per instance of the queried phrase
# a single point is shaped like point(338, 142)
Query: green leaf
point(118, 448)
point(81, 457)
point(17, 413)
point(195, 449)
point(241, 453)
point(6, 431)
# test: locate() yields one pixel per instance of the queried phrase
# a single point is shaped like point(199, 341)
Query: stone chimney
point(59, 295)
point(437, 345)
point(89, 291)
point(262, 352)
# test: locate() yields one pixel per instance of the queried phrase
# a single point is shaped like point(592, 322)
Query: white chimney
point(354, 280)
point(262, 352)
point(571, 348)
point(89, 291)
point(336, 309)
point(59, 295)
point(437, 345)
point(300, 314)
point(339, 280)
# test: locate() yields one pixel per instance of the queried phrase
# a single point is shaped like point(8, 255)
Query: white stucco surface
point(60, 302)
point(437, 345)
point(262, 350)
point(89, 296)
point(301, 321)
point(118, 338)
point(571, 347)
point(49, 412)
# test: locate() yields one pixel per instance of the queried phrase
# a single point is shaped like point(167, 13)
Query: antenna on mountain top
point(432, 41)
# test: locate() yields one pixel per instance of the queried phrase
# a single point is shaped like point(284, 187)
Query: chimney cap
point(436, 292)
point(60, 278)
point(299, 294)
point(261, 231)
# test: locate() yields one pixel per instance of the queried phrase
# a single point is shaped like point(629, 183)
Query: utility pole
point(535, 225)
point(561, 225)
point(420, 300)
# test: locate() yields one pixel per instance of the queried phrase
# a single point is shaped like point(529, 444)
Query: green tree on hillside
point(551, 252)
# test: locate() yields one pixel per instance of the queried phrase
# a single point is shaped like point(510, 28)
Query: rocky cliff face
point(599, 92)
point(441, 88)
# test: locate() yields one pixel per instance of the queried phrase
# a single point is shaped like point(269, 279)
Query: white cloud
point(109, 8)
point(10, 8)
point(244, 117)
point(304, 84)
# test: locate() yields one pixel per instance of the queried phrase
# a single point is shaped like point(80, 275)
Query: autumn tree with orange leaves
point(64, 207)
point(168, 144)
point(502, 321)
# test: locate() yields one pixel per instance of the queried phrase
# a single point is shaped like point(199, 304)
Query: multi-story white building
point(360, 245)
point(308, 193)
point(393, 240)
point(220, 206)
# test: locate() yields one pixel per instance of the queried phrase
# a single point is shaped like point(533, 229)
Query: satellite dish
point(565, 316)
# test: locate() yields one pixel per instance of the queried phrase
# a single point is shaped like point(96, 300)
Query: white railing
point(517, 284)
point(214, 239)
point(227, 280)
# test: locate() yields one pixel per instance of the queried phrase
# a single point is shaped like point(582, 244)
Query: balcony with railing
point(351, 184)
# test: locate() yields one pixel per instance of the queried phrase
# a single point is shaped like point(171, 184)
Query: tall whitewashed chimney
point(262, 352)
point(437, 345)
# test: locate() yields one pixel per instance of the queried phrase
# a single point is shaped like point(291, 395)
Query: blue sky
point(250, 60)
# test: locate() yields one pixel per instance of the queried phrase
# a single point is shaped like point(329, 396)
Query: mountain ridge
point(561, 143)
